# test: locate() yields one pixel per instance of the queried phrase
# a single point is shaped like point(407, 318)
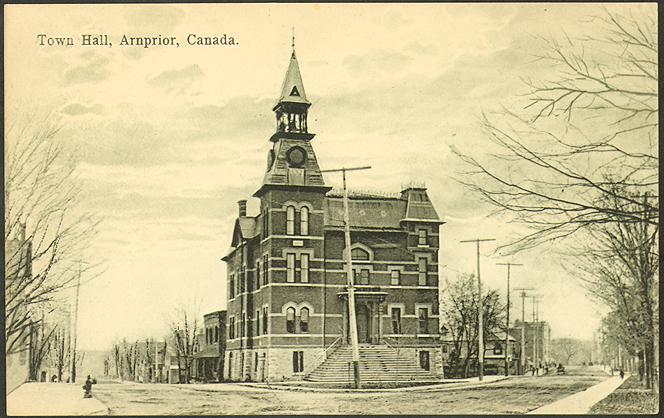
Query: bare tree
point(591, 125)
point(621, 271)
point(131, 356)
point(564, 349)
point(41, 340)
point(460, 318)
point(118, 361)
point(60, 351)
point(185, 341)
point(45, 233)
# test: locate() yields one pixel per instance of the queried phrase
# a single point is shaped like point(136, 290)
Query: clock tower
point(291, 161)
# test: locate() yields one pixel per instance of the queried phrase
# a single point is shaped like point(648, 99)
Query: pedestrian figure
point(622, 374)
point(88, 387)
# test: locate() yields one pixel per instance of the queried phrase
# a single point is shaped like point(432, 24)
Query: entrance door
point(363, 323)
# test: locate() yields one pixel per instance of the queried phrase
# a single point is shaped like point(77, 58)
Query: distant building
point(540, 333)
point(287, 286)
point(209, 358)
point(494, 355)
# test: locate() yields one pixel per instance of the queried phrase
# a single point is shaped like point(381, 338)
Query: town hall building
point(287, 310)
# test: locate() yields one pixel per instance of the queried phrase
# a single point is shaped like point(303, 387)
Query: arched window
point(290, 320)
point(304, 320)
point(290, 220)
point(359, 254)
point(304, 221)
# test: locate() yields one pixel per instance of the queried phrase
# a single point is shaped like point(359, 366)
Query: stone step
point(378, 363)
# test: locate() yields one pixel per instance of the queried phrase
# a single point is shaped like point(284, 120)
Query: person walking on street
point(622, 374)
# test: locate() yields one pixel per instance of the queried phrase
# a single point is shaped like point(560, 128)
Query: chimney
point(242, 207)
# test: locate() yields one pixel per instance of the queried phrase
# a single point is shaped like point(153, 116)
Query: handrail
point(318, 360)
point(394, 345)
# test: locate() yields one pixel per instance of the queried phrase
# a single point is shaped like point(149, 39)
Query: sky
point(168, 139)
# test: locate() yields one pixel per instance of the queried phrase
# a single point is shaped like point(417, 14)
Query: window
point(243, 325)
point(445, 349)
point(497, 349)
point(216, 334)
point(361, 276)
point(423, 320)
point(258, 274)
point(290, 220)
point(290, 267)
point(423, 268)
point(258, 322)
point(231, 328)
point(290, 320)
point(298, 361)
point(304, 320)
point(265, 319)
point(265, 267)
point(422, 237)
point(230, 365)
point(359, 254)
point(304, 268)
point(266, 222)
point(232, 287)
point(396, 320)
point(424, 360)
point(255, 362)
point(207, 336)
point(396, 277)
point(304, 221)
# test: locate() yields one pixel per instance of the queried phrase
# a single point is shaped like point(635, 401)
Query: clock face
point(296, 156)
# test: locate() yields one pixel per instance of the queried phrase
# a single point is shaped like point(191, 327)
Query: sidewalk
point(442, 385)
point(53, 399)
point(581, 402)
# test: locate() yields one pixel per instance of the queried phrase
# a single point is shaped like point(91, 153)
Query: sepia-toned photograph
point(331, 208)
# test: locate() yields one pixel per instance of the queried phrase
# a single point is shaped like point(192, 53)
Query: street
point(513, 396)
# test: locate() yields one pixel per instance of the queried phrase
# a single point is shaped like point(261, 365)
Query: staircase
point(378, 364)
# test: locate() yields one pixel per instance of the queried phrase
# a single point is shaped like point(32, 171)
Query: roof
point(374, 210)
point(279, 173)
point(292, 90)
point(208, 351)
point(248, 226)
point(368, 212)
point(419, 205)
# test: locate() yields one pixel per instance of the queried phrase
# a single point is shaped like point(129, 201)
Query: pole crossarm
point(337, 170)
point(352, 317)
point(507, 309)
point(480, 342)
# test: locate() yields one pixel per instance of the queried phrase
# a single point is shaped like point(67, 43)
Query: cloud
point(379, 61)
point(161, 18)
point(177, 79)
point(94, 70)
point(77, 109)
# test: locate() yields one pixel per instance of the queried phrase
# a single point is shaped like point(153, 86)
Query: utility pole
point(507, 329)
point(535, 302)
point(523, 327)
point(73, 357)
point(349, 273)
point(156, 361)
point(480, 350)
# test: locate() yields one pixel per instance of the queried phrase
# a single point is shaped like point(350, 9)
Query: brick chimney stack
point(242, 207)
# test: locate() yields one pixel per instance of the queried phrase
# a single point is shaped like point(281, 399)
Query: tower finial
point(293, 38)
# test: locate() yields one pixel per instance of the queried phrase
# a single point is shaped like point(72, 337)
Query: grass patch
point(630, 398)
